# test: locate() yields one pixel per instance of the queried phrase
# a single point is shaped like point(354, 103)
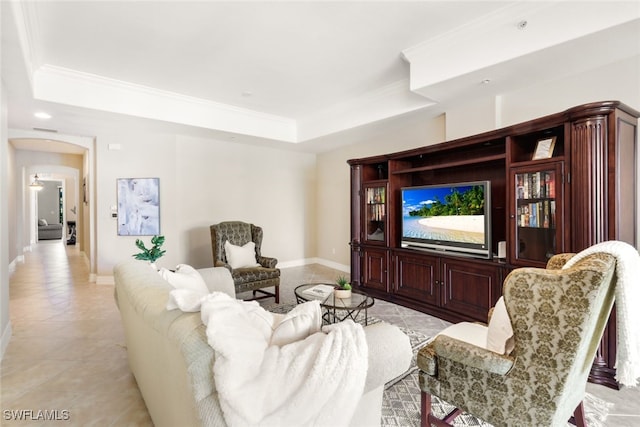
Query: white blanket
point(308, 379)
point(627, 294)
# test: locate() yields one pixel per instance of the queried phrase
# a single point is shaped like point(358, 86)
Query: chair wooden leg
point(427, 419)
point(277, 293)
point(451, 416)
point(578, 418)
point(425, 409)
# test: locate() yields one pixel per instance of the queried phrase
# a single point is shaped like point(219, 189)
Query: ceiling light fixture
point(485, 81)
point(522, 24)
point(36, 184)
point(42, 115)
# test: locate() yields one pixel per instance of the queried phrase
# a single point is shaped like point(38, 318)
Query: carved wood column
point(603, 195)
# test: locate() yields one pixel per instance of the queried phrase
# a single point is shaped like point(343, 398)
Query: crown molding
point(25, 18)
point(71, 87)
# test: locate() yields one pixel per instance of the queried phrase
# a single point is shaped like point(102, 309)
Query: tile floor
point(67, 354)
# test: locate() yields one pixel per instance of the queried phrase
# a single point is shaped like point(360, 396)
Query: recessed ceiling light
point(522, 25)
point(485, 81)
point(247, 93)
point(42, 115)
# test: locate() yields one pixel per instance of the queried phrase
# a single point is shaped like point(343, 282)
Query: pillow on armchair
point(241, 256)
point(42, 222)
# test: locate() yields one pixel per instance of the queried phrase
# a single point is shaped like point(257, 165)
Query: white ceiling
point(289, 71)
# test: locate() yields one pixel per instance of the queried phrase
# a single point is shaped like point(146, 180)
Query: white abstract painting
point(138, 206)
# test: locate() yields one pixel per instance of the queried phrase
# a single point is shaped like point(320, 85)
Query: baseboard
point(4, 341)
point(12, 265)
point(334, 265)
point(321, 261)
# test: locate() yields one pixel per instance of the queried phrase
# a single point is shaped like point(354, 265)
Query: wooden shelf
point(487, 159)
point(537, 162)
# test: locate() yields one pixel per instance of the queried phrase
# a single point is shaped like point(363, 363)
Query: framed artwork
point(544, 148)
point(138, 206)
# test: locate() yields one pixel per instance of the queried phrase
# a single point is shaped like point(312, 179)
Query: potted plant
point(343, 288)
point(151, 254)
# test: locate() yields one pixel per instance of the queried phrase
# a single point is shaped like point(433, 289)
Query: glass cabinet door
point(375, 212)
point(538, 214)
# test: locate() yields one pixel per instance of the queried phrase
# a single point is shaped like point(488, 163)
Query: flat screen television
point(448, 217)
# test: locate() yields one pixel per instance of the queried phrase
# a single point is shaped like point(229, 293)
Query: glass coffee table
point(335, 309)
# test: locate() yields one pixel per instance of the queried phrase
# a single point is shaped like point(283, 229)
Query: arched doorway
point(56, 157)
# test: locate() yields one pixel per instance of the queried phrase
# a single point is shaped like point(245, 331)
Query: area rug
point(401, 407)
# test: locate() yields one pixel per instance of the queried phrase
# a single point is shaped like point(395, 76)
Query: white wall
point(5, 206)
point(204, 181)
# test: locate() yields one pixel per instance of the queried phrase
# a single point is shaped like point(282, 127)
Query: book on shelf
point(319, 291)
point(533, 215)
point(546, 221)
point(551, 185)
point(375, 195)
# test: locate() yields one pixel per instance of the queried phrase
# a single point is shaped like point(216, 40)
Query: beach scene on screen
point(453, 214)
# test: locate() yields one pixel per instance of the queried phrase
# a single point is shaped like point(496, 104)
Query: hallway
point(67, 354)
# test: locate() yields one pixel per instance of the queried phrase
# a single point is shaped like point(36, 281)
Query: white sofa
point(172, 361)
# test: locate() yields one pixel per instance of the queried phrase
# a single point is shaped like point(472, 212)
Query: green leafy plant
point(153, 253)
point(343, 283)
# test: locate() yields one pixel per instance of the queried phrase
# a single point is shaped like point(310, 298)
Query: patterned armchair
point(558, 318)
point(246, 279)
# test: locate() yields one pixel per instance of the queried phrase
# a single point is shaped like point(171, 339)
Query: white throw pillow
point(500, 333)
point(303, 320)
point(241, 256)
point(42, 222)
point(185, 277)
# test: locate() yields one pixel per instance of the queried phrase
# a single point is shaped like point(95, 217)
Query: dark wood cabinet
point(375, 268)
point(470, 288)
point(536, 213)
point(455, 288)
point(417, 277)
point(579, 166)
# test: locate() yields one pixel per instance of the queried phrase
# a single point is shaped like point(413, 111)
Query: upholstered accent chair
point(558, 317)
point(255, 278)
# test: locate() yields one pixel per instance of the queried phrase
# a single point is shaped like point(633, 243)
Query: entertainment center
point(560, 183)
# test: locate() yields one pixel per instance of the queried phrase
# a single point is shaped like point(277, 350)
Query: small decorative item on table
point(343, 288)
